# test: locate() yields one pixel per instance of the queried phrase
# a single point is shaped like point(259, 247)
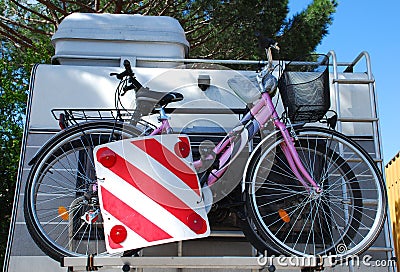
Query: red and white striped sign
point(149, 192)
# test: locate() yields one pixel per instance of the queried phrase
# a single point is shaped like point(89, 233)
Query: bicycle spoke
point(59, 180)
point(322, 220)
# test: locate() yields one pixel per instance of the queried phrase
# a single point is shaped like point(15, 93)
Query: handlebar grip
point(127, 72)
point(134, 83)
point(269, 42)
point(266, 43)
point(120, 76)
point(128, 67)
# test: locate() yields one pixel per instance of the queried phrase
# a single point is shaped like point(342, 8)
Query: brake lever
point(127, 88)
point(119, 76)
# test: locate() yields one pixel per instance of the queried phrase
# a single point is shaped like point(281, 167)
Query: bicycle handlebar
point(270, 43)
point(134, 83)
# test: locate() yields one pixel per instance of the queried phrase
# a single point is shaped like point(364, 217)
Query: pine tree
point(214, 28)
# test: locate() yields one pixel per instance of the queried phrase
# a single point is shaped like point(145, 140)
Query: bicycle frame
point(255, 119)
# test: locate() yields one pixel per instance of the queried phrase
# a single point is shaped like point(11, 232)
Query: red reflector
point(182, 149)
point(61, 121)
point(118, 234)
point(195, 222)
point(106, 157)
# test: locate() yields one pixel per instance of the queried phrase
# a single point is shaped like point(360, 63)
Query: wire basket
point(304, 87)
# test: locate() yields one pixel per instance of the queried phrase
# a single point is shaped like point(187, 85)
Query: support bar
point(353, 81)
point(217, 262)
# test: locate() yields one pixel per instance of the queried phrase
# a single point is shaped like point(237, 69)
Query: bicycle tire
point(345, 219)
point(60, 190)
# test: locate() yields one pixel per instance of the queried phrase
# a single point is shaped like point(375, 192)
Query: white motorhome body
point(79, 78)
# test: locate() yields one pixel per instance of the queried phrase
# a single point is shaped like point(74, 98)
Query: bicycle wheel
point(61, 203)
point(344, 219)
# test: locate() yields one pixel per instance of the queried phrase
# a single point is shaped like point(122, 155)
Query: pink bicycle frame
point(259, 114)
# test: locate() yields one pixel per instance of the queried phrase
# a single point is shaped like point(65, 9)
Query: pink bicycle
point(305, 190)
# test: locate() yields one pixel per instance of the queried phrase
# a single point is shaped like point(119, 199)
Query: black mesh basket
point(304, 87)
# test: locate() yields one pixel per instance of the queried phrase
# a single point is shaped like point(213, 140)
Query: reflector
point(62, 211)
point(118, 234)
point(284, 215)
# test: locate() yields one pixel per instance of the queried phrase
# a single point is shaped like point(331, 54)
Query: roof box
point(104, 39)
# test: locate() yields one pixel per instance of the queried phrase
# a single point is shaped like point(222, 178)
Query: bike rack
point(260, 263)
point(254, 262)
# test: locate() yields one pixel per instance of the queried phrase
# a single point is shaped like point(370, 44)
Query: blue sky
point(371, 26)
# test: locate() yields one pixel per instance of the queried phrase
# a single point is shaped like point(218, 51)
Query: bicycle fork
point(263, 111)
point(294, 161)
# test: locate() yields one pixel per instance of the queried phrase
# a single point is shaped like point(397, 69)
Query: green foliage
point(233, 32)
point(15, 66)
point(12, 100)
point(303, 32)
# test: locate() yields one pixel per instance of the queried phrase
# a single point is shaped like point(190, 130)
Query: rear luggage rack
point(68, 117)
point(76, 115)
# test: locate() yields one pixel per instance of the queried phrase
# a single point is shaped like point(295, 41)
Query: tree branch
point(34, 12)
point(15, 37)
point(64, 5)
point(207, 37)
point(97, 5)
point(198, 25)
point(52, 9)
point(15, 33)
point(226, 22)
point(35, 30)
point(191, 15)
point(202, 38)
point(83, 6)
point(129, 4)
point(151, 4)
point(118, 6)
point(106, 6)
point(168, 4)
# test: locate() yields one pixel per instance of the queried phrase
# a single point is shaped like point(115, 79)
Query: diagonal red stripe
point(112, 244)
point(131, 218)
point(169, 160)
point(158, 193)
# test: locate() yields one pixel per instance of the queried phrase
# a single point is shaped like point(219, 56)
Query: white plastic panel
point(115, 35)
point(91, 87)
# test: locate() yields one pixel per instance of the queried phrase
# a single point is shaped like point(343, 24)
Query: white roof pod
point(104, 39)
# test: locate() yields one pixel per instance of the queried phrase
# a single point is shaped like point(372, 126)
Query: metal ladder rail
point(375, 129)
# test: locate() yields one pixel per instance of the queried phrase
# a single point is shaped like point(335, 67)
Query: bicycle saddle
point(157, 98)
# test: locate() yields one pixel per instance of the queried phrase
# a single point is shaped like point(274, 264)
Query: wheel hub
point(316, 194)
point(90, 216)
